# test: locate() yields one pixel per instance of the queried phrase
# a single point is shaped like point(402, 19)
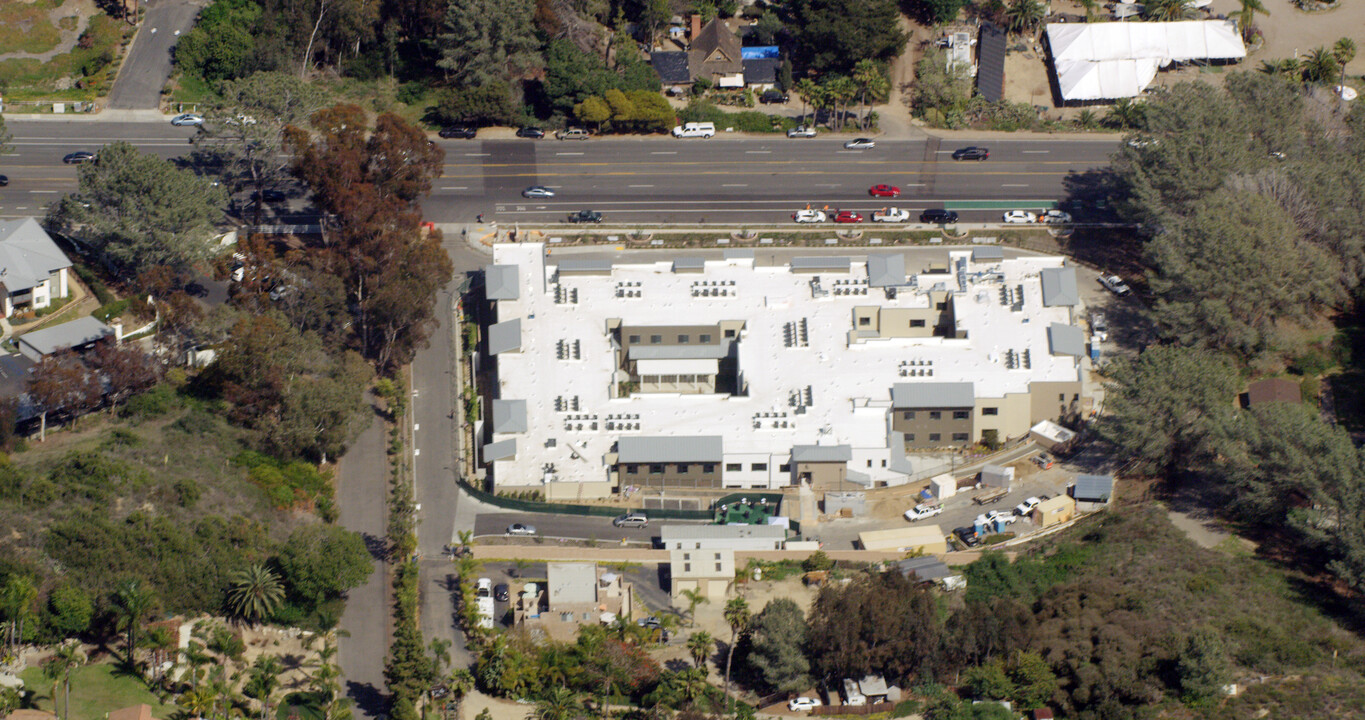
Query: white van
point(697, 129)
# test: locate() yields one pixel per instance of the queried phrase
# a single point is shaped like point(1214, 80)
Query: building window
point(941, 306)
point(687, 567)
point(935, 415)
point(916, 323)
point(1061, 397)
point(883, 463)
point(934, 437)
point(656, 469)
point(990, 411)
point(656, 339)
point(682, 469)
point(717, 557)
point(864, 322)
point(708, 468)
point(704, 339)
point(632, 469)
point(684, 339)
point(635, 338)
point(729, 333)
point(784, 467)
point(717, 567)
point(869, 462)
point(687, 556)
point(1076, 397)
point(759, 467)
point(734, 467)
point(908, 415)
point(961, 414)
point(959, 437)
point(805, 477)
point(909, 437)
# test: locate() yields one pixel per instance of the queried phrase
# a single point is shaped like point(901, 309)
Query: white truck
point(695, 130)
point(483, 593)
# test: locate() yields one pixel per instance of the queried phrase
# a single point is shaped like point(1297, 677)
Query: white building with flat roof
point(692, 373)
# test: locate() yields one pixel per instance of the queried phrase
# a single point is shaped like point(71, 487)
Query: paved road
point(552, 527)
point(731, 180)
point(148, 65)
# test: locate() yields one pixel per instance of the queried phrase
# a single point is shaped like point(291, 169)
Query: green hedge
point(751, 121)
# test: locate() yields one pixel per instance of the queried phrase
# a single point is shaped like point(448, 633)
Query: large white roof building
point(726, 374)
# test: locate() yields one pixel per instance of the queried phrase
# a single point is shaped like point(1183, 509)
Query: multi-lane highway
point(725, 180)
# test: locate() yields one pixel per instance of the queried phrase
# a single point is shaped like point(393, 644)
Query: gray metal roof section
point(925, 568)
point(720, 532)
point(821, 453)
point(822, 262)
point(585, 265)
point(504, 337)
point(509, 416)
point(679, 352)
point(76, 333)
point(699, 448)
point(739, 254)
point(500, 450)
point(886, 270)
point(27, 255)
point(1093, 488)
point(910, 396)
point(985, 252)
point(671, 66)
point(1066, 339)
point(500, 282)
point(694, 264)
point(1059, 287)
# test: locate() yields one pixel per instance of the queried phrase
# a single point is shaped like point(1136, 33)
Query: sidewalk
point(105, 115)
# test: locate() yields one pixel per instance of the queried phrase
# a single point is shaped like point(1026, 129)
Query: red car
point(848, 216)
point(884, 191)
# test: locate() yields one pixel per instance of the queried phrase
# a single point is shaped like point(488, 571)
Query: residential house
point(722, 537)
point(78, 335)
point(710, 572)
point(33, 270)
point(715, 53)
point(136, 712)
point(574, 593)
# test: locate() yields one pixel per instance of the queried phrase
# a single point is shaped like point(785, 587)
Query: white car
point(1056, 216)
point(803, 704)
point(891, 215)
point(187, 119)
point(1115, 284)
point(484, 588)
point(860, 144)
point(1026, 507)
point(922, 511)
point(695, 130)
point(537, 191)
point(1020, 216)
point(809, 216)
point(1099, 326)
point(995, 515)
point(519, 529)
point(801, 131)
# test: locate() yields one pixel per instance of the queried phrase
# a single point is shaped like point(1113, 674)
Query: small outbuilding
point(997, 476)
point(1092, 492)
point(1054, 511)
point(928, 539)
point(1272, 390)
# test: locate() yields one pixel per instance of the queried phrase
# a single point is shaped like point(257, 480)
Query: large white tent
point(1095, 61)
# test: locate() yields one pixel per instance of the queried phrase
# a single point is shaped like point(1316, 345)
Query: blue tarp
point(760, 53)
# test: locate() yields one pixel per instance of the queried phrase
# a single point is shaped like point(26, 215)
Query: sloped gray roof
point(1093, 488)
point(925, 568)
point(990, 74)
point(696, 448)
point(910, 396)
point(1066, 339)
point(500, 450)
point(500, 282)
point(1059, 287)
point(671, 66)
point(27, 254)
point(694, 264)
point(739, 254)
point(76, 333)
point(885, 270)
point(504, 336)
point(717, 351)
point(987, 252)
point(509, 416)
point(585, 265)
point(760, 71)
point(820, 262)
point(821, 453)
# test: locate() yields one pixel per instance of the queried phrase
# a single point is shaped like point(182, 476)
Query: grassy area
point(95, 691)
point(26, 28)
point(92, 64)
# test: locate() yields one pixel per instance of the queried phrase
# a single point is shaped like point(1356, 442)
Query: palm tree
point(1319, 66)
point(699, 645)
point(133, 602)
point(1247, 15)
point(255, 593)
point(1167, 10)
point(1344, 51)
point(1287, 68)
point(1089, 6)
point(738, 616)
point(196, 658)
point(263, 680)
point(198, 702)
point(871, 81)
point(694, 598)
point(59, 666)
point(1124, 114)
point(806, 89)
point(1023, 16)
point(17, 599)
point(1086, 119)
point(460, 682)
point(560, 703)
point(841, 91)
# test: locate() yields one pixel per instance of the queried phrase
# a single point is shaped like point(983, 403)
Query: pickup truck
point(585, 216)
point(990, 495)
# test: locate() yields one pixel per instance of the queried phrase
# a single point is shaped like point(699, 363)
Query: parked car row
point(936, 216)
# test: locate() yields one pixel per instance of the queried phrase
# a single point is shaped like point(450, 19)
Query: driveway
point(147, 66)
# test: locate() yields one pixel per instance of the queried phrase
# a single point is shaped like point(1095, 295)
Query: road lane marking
point(458, 187)
point(1035, 152)
point(640, 186)
point(44, 192)
point(735, 185)
point(664, 152)
point(758, 152)
point(1015, 185)
point(569, 153)
point(478, 154)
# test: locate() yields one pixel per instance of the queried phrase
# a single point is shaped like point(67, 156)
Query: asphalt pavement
point(147, 66)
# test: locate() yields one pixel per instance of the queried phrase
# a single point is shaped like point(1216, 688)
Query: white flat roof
point(998, 304)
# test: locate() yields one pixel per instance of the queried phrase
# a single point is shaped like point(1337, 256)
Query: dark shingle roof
point(671, 67)
point(761, 71)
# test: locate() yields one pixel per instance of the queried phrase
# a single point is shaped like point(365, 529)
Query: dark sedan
point(971, 153)
point(938, 216)
point(459, 132)
point(4, 180)
point(534, 133)
point(78, 157)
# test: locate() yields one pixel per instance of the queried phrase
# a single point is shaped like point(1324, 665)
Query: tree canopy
point(833, 35)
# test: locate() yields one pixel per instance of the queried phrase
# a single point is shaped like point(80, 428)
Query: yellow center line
point(749, 163)
point(738, 173)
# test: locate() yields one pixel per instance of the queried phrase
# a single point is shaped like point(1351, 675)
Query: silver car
point(801, 132)
point(860, 144)
point(519, 529)
point(187, 119)
point(537, 191)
